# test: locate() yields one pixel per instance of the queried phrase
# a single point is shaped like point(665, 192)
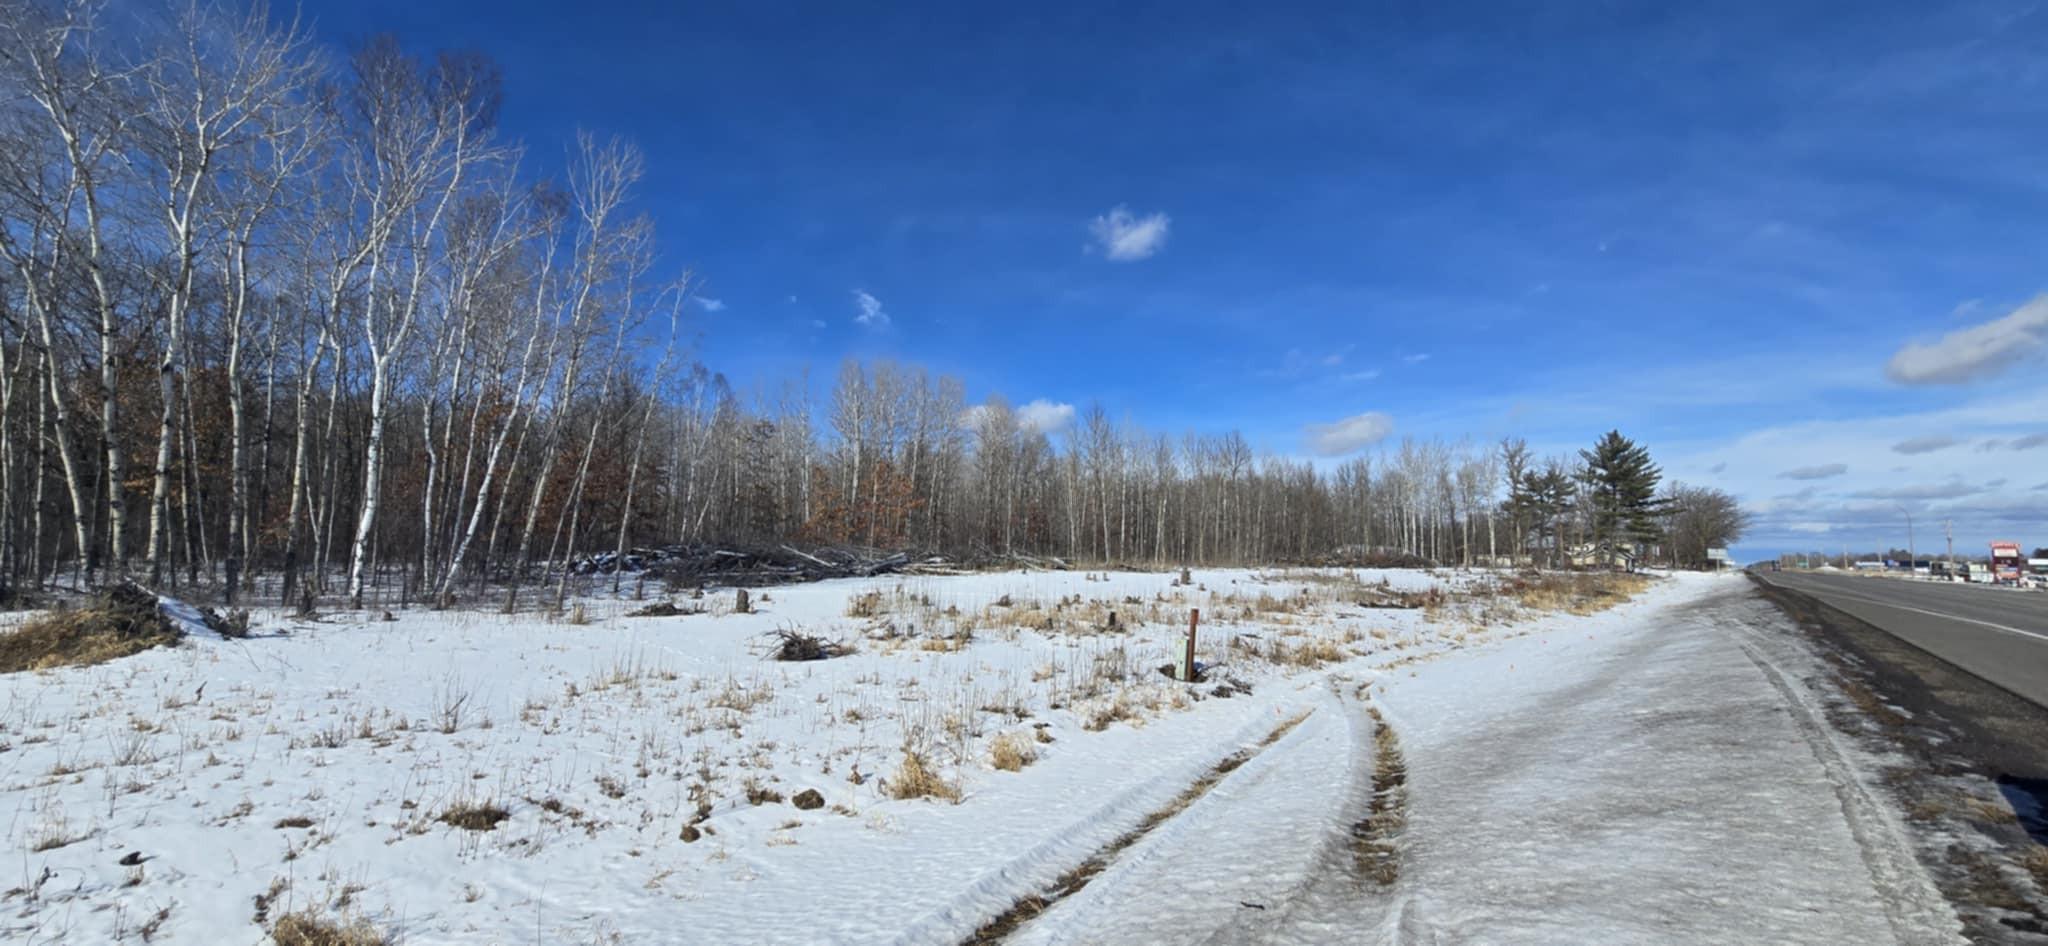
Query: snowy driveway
point(1665, 778)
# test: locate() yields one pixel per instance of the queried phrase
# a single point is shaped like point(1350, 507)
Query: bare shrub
point(794, 645)
point(451, 704)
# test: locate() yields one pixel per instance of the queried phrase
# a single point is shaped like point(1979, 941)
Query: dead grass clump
point(915, 778)
point(1011, 752)
point(865, 605)
point(1579, 593)
point(664, 609)
point(306, 928)
point(124, 620)
point(1310, 653)
point(794, 645)
point(759, 794)
point(474, 816)
point(2036, 863)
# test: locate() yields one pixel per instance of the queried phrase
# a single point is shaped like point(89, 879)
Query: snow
point(1626, 776)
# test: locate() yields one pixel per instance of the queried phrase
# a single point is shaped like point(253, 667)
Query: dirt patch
point(123, 620)
point(1024, 910)
point(1373, 838)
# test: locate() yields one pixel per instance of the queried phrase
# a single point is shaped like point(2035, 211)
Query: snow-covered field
point(640, 774)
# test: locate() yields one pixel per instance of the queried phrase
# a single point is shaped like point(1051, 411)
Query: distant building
point(1603, 555)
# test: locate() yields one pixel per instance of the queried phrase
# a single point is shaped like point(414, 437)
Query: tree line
point(265, 309)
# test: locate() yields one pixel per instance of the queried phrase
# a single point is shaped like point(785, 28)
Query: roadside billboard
point(2006, 563)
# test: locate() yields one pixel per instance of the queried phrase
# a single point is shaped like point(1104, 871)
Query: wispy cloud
point(1915, 446)
point(1359, 377)
point(710, 305)
point(1296, 363)
point(871, 314)
point(1123, 237)
point(1045, 416)
point(1348, 435)
point(1821, 472)
point(1974, 353)
point(1950, 489)
point(2029, 441)
point(1415, 359)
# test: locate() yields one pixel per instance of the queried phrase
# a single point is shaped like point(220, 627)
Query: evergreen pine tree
point(1623, 483)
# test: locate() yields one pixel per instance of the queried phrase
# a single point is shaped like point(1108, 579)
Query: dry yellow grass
point(915, 778)
point(1011, 752)
point(125, 621)
point(306, 928)
point(1579, 593)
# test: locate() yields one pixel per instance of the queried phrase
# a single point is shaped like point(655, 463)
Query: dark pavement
point(1998, 634)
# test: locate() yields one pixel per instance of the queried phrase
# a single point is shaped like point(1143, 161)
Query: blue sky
point(1765, 239)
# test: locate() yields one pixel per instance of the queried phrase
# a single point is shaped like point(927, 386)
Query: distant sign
point(1717, 555)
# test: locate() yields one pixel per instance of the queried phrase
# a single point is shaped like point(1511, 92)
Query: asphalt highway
point(1998, 634)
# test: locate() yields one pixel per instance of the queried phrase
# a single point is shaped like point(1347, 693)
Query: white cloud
point(1045, 416)
point(871, 314)
point(1359, 377)
point(1415, 359)
point(1349, 435)
point(710, 304)
point(1917, 445)
point(1821, 472)
point(1124, 238)
point(1974, 353)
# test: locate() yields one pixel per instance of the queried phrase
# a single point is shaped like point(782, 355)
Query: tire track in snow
point(1078, 877)
point(1362, 856)
point(1915, 910)
point(1376, 837)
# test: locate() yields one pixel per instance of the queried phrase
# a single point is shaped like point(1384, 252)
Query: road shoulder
point(1967, 761)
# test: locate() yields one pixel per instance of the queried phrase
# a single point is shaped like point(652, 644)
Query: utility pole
point(1948, 530)
point(1912, 558)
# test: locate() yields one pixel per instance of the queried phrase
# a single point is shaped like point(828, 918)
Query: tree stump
point(740, 604)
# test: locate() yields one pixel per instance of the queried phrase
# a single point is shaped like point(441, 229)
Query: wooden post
point(1187, 657)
